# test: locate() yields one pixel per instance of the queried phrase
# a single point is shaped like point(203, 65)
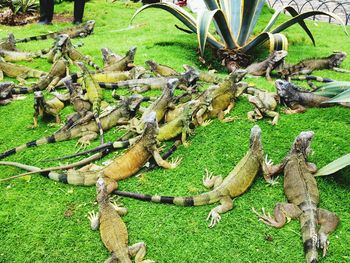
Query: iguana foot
point(175, 162)
point(266, 218)
point(94, 220)
point(82, 144)
point(186, 144)
point(208, 179)
point(118, 207)
point(228, 119)
point(206, 123)
point(214, 218)
point(323, 243)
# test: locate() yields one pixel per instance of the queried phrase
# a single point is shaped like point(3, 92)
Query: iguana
point(310, 80)
point(80, 31)
point(94, 94)
point(8, 43)
point(236, 183)
point(217, 101)
point(86, 132)
point(298, 99)
point(46, 108)
point(121, 167)
point(123, 64)
point(14, 56)
point(264, 68)
point(109, 57)
point(265, 104)
point(161, 70)
point(301, 190)
point(209, 77)
point(309, 65)
point(19, 72)
point(113, 231)
point(6, 92)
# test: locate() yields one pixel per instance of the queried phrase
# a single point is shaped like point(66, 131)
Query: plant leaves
point(278, 42)
point(343, 97)
point(334, 166)
point(332, 89)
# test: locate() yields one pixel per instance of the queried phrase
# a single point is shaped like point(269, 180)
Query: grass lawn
point(45, 221)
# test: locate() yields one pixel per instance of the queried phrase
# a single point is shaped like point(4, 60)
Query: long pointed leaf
point(234, 14)
point(211, 4)
point(222, 24)
point(203, 24)
point(251, 12)
point(340, 98)
point(293, 13)
point(332, 89)
point(334, 166)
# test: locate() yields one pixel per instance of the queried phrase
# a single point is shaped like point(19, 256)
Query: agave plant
point(334, 166)
point(24, 6)
point(338, 91)
point(234, 21)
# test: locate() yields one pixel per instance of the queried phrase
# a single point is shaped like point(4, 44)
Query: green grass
point(32, 214)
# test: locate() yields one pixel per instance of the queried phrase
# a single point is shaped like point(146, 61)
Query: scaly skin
point(161, 70)
point(79, 31)
point(109, 57)
point(265, 104)
point(14, 56)
point(236, 183)
point(19, 72)
point(219, 100)
point(309, 65)
point(301, 190)
point(209, 77)
point(123, 64)
point(264, 68)
point(8, 43)
point(113, 231)
point(298, 99)
point(6, 92)
point(85, 131)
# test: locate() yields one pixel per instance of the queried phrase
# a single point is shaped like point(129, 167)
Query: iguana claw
point(215, 218)
point(94, 220)
point(207, 178)
point(264, 217)
point(175, 162)
point(206, 123)
point(323, 243)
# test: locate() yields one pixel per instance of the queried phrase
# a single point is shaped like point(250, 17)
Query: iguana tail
point(22, 90)
point(315, 78)
point(72, 176)
point(308, 222)
point(197, 200)
point(40, 37)
point(105, 85)
point(45, 140)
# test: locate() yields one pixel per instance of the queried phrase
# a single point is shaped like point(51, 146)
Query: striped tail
point(92, 64)
point(105, 85)
point(41, 37)
point(308, 222)
point(314, 78)
point(45, 140)
point(22, 90)
point(202, 199)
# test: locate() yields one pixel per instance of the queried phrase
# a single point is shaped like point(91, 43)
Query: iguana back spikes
point(80, 31)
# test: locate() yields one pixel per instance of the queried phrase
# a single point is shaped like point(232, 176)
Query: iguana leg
point(85, 139)
point(94, 220)
point(267, 74)
point(274, 115)
point(222, 114)
point(281, 213)
point(138, 251)
point(210, 181)
point(21, 78)
point(341, 70)
point(271, 169)
point(214, 214)
point(296, 109)
point(120, 210)
point(53, 83)
point(251, 116)
point(35, 121)
point(1, 75)
point(328, 222)
point(163, 163)
point(199, 115)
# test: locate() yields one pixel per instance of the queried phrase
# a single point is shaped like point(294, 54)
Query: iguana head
point(89, 26)
point(152, 64)
point(302, 143)
point(278, 55)
point(287, 91)
point(131, 53)
point(190, 76)
point(61, 40)
point(255, 138)
point(38, 100)
point(151, 124)
point(6, 89)
point(171, 85)
point(238, 75)
point(134, 102)
point(336, 59)
point(101, 190)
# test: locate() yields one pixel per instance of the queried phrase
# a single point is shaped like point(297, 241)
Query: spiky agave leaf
point(265, 36)
point(334, 166)
point(332, 89)
point(343, 97)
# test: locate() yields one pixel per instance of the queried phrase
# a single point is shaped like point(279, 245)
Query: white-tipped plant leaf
point(332, 89)
point(334, 166)
point(343, 97)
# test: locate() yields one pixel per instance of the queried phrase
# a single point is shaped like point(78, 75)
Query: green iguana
point(264, 68)
point(8, 43)
point(113, 231)
point(80, 31)
point(86, 132)
point(236, 183)
point(297, 99)
point(307, 66)
point(209, 77)
point(124, 63)
point(301, 190)
point(19, 72)
point(14, 56)
point(161, 70)
point(121, 167)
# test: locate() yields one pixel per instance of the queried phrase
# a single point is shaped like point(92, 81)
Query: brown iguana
point(46, 108)
point(80, 31)
point(121, 167)
point(264, 68)
point(124, 63)
point(113, 231)
point(19, 72)
point(123, 112)
point(301, 190)
point(298, 99)
point(236, 183)
point(217, 101)
point(309, 65)
point(265, 104)
point(8, 43)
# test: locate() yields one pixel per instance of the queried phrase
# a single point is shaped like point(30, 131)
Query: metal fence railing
point(341, 8)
